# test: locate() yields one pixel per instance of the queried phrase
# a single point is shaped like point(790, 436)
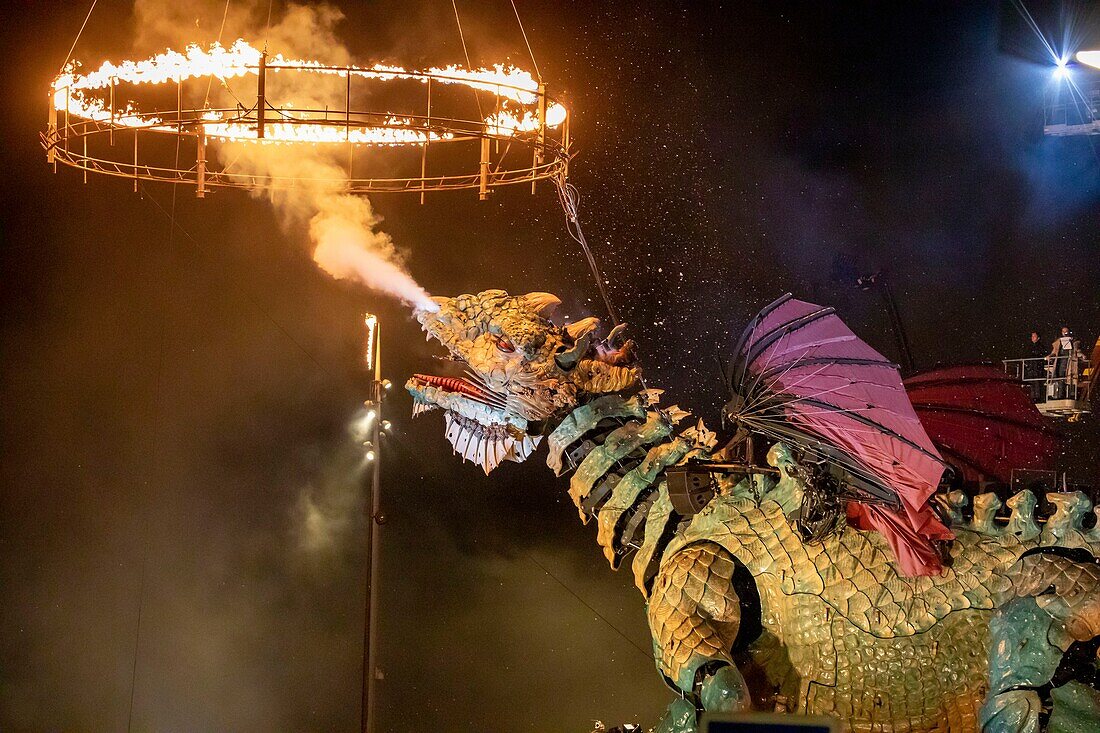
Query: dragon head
point(513, 371)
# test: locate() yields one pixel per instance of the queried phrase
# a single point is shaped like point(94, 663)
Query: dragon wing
point(799, 375)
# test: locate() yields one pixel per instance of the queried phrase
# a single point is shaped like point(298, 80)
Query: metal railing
point(1053, 378)
point(468, 152)
point(1073, 109)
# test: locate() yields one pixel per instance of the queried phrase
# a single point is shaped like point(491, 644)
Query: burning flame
point(73, 93)
point(283, 132)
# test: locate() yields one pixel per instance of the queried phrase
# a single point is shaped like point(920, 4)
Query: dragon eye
point(505, 345)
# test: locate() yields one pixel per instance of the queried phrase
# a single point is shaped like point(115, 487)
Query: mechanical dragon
point(817, 584)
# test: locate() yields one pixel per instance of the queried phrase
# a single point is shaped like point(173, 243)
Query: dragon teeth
point(419, 408)
point(480, 452)
point(524, 448)
point(462, 443)
point(485, 446)
point(492, 455)
point(493, 451)
point(453, 431)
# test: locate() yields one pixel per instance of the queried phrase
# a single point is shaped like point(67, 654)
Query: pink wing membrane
point(826, 381)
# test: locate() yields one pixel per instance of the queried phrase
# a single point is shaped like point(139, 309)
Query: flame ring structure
point(518, 134)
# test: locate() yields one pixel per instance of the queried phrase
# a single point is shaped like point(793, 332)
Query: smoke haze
point(176, 409)
point(343, 229)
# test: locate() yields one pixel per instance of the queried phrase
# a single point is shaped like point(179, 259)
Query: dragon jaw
point(518, 371)
point(476, 421)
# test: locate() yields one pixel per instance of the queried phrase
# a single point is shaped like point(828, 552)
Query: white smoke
point(342, 228)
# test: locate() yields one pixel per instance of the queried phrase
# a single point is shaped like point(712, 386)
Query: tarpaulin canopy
point(801, 376)
point(983, 421)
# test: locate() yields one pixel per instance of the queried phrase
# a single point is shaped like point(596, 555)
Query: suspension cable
point(267, 31)
point(76, 40)
point(570, 200)
point(210, 81)
point(568, 194)
point(157, 416)
point(529, 51)
point(466, 53)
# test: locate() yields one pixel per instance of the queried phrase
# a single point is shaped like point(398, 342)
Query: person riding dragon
point(834, 580)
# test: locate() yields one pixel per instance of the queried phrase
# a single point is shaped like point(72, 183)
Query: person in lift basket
point(1065, 354)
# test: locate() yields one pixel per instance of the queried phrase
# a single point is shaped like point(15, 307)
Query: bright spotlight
point(369, 456)
point(386, 425)
point(1060, 71)
point(386, 384)
point(361, 425)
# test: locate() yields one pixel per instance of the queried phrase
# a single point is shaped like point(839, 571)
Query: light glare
point(1091, 58)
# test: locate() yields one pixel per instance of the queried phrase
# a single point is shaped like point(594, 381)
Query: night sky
point(175, 408)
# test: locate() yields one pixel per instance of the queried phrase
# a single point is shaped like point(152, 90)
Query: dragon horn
point(583, 327)
point(543, 303)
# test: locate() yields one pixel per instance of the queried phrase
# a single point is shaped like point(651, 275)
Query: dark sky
point(175, 408)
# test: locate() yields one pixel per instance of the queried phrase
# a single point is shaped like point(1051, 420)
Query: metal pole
point(51, 130)
point(200, 163)
point(372, 509)
point(565, 145)
point(347, 130)
point(427, 140)
point(261, 96)
point(902, 339)
point(541, 144)
point(483, 188)
point(67, 103)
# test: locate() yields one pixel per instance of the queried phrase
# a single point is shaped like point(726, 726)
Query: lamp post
point(373, 358)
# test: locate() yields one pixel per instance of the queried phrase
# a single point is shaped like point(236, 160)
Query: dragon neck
point(617, 448)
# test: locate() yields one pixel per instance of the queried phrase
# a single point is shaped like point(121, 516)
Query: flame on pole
point(370, 348)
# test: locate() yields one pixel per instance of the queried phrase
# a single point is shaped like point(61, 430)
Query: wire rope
point(570, 204)
point(267, 30)
point(586, 604)
point(210, 80)
point(158, 402)
point(79, 33)
point(529, 51)
point(418, 457)
point(466, 53)
point(249, 296)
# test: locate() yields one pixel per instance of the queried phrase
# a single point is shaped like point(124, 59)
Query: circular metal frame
point(523, 137)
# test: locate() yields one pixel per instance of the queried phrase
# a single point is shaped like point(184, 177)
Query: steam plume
point(343, 229)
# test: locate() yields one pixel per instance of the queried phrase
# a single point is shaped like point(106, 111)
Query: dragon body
point(745, 612)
